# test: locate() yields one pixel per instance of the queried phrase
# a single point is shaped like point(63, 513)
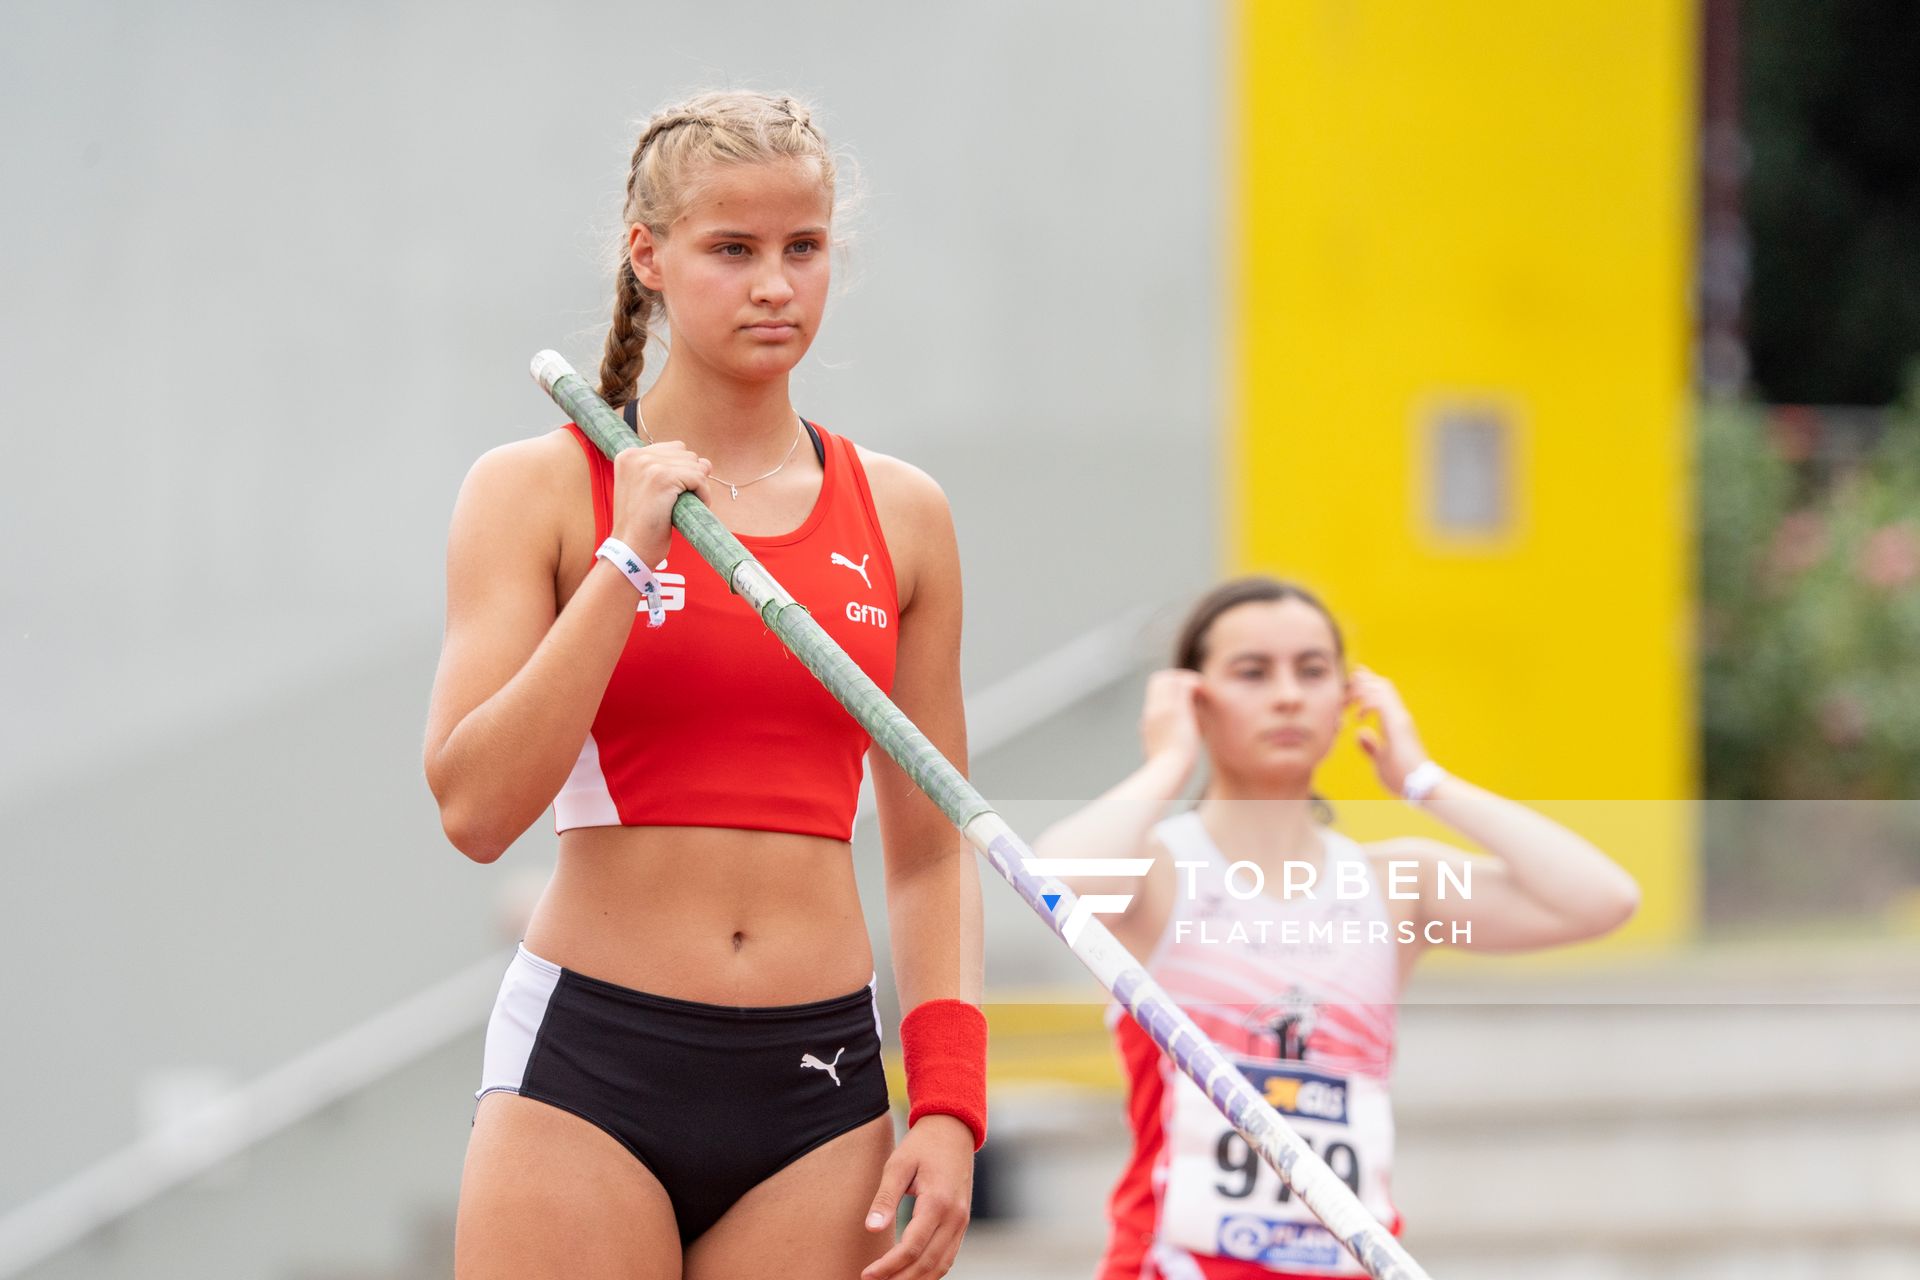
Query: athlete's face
point(1272, 690)
point(744, 268)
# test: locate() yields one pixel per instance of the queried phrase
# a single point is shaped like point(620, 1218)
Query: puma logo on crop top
point(709, 721)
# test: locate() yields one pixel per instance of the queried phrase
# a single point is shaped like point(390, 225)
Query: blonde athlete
point(1287, 942)
point(682, 1074)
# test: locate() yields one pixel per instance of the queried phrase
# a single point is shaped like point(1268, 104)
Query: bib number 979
point(1236, 1156)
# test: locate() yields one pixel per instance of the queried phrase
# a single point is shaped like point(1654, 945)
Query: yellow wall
point(1481, 203)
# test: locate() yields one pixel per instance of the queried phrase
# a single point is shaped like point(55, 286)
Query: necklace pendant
point(734, 490)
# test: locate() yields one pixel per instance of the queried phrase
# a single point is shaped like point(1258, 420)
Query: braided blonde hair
point(733, 127)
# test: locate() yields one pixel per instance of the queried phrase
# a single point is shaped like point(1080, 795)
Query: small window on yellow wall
point(1469, 472)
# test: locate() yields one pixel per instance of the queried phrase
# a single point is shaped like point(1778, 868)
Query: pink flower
point(1890, 557)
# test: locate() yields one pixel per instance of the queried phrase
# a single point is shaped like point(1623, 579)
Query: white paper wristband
point(621, 556)
point(1425, 777)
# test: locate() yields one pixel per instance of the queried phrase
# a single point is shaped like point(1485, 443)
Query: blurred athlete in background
point(1294, 963)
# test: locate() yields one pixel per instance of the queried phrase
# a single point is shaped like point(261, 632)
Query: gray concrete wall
point(272, 277)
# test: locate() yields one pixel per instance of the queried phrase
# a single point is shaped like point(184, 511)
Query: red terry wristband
point(944, 1043)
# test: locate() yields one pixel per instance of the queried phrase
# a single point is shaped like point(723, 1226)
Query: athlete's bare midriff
point(713, 914)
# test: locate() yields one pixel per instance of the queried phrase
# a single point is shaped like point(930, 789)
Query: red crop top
point(709, 721)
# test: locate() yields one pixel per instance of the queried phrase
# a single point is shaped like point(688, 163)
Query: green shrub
point(1809, 667)
point(1810, 613)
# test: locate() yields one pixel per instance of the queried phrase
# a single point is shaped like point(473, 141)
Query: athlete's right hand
point(646, 483)
point(1169, 726)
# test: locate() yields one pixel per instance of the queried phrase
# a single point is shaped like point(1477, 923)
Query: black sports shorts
point(712, 1099)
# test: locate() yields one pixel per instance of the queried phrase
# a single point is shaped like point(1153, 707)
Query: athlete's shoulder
point(543, 466)
point(916, 522)
point(899, 484)
point(520, 493)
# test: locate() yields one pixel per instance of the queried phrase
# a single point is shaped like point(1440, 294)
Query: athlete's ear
point(643, 253)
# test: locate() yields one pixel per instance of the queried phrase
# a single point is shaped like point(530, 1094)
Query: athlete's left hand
point(934, 1165)
point(1395, 746)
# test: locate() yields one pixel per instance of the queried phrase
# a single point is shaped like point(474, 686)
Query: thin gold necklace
point(732, 489)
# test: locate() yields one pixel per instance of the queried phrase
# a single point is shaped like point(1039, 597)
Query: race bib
point(1222, 1198)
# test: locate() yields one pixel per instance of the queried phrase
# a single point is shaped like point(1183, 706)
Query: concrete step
point(1029, 1252)
point(1574, 1140)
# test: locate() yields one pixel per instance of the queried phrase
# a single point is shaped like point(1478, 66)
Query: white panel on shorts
point(585, 800)
point(517, 1015)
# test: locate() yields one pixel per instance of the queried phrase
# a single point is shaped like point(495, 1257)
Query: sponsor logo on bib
point(1301, 1091)
point(1275, 1244)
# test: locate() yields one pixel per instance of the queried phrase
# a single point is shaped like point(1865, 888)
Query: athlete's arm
point(1544, 886)
point(1119, 823)
point(933, 888)
point(519, 680)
